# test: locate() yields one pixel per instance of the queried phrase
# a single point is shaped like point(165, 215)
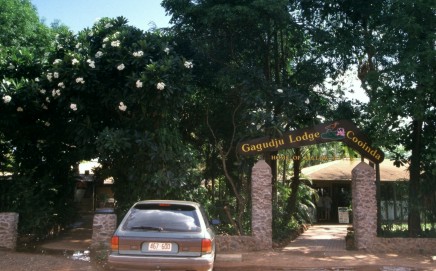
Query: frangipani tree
point(112, 92)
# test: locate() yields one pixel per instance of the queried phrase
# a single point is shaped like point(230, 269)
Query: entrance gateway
point(340, 130)
point(365, 180)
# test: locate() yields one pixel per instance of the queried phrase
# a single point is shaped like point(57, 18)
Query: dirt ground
point(320, 248)
point(18, 261)
point(326, 261)
point(249, 261)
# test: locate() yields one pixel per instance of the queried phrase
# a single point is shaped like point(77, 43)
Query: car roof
point(180, 202)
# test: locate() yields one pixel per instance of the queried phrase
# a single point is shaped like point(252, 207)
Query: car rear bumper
point(128, 262)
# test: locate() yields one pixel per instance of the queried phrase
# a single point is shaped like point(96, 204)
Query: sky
point(80, 14)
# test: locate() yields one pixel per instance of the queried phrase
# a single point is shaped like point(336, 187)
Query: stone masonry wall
point(231, 243)
point(8, 230)
point(103, 227)
point(261, 198)
point(365, 219)
point(364, 206)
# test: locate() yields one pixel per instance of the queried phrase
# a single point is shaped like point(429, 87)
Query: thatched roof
point(340, 170)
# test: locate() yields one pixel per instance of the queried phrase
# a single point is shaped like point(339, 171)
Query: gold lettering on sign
point(363, 144)
point(272, 144)
point(304, 137)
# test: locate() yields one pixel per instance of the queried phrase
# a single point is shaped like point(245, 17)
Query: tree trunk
point(240, 203)
point(292, 201)
point(273, 164)
point(415, 161)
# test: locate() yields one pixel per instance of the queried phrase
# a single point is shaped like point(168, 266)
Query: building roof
point(340, 170)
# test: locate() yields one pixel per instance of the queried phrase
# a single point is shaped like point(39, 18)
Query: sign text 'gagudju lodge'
point(341, 130)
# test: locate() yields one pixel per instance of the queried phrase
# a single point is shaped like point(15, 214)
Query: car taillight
point(206, 246)
point(115, 243)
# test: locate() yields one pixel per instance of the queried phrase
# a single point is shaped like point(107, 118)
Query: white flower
point(115, 43)
point(167, 50)
point(138, 84)
point(108, 25)
point(99, 54)
point(188, 64)
point(307, 101)
point(160, 85)
point(91, 63)
point(73, 107)
point(43, 91)
point(80, 80)
point(57, 61)
point(61, 85)
point(44, 107)
point(49, 76)
point(90, 34)
point(78, 45)
point(56, 92)
point(122, 106)
point(37, 79)
point(138, 54)
point(47, 123)
point(47, 99)
point(279, 90)
point(74, 61)
point(56, 75)
point(121, 67)
point(7, 99)
point(104, 46)
point(19, 109)
point(6, 82)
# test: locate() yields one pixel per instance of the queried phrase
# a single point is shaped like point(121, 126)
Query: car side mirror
point(215, 222)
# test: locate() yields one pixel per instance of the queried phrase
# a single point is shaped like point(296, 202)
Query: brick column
point(261, 196)
point(8, 230)
point(104, 225)
point(364, 206)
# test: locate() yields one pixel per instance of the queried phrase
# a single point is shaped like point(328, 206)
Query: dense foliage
point(392, 45)
point(112, 92)
point(256, 74)
point(163, 110)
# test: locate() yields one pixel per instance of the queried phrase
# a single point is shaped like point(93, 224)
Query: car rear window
point(163, 217)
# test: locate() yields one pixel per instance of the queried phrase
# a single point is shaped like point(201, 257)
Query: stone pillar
point(8, 230)
point(103, 227)
point(364, 206)
point(261, 197)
